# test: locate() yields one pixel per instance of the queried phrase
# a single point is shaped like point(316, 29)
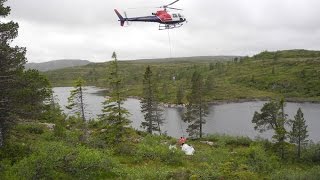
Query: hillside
point(296, 78)
point(56, 64)
point(194, 59)
point(36, 152)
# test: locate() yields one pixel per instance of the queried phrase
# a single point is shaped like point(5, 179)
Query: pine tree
point(149, 104)
point(197, 108)
point(12, 60)
point(33, 94)
point(76, 100)
point(114, 115)
point(273, 117)
point(299, 133)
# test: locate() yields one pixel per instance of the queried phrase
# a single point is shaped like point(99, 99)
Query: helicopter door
point(175, 17)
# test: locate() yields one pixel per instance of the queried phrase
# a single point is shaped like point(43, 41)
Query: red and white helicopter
point(167, 20)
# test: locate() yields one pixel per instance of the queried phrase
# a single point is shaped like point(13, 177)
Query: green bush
point(297, 174)
point(239, 141)
point(56, 160)
point(227, 140)
point(311, 153)
point(152, 148)
point(33, 128)
point(147, 172)
point(258, 160)
point(125, 149)
point(15, 151)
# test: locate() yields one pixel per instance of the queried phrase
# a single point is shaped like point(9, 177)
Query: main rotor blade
point(172, 3)
point(174, 8)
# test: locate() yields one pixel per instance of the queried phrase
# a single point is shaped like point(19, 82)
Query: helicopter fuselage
point(162, 17)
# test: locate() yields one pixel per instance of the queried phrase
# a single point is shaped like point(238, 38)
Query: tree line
point(23, 93)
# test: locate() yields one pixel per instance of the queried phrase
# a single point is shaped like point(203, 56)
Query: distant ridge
point(293, 53)
point(57, 64)
point(185, 59)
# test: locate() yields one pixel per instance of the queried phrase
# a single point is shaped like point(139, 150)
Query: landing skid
point(169, 26)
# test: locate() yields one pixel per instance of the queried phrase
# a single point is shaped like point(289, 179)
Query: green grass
point(42, 155)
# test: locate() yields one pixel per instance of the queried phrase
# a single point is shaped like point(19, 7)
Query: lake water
point(231, 118)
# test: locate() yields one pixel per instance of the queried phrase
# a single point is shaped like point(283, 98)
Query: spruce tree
point(197, 107)
point(149, 104)
point(299, 133)
point(76, 100)
point(76, 104)
point(12, 60)
point(115, 116)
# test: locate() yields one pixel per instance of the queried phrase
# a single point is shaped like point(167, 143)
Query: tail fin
point(121, 19)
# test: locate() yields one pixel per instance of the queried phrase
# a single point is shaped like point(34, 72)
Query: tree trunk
point(299, 144)
point(200, 120)
point(82, 105)
point(1, 135)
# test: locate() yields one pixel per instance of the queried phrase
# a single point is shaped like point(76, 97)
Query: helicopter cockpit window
point(174, 15)
point(179, 15)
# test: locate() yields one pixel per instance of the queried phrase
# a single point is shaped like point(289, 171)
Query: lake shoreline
point(228, 101)
point(222, 102)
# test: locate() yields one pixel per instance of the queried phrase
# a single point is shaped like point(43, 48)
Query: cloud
point(88, 29)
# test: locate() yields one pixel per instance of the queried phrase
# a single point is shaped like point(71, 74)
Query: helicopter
point(166, 19)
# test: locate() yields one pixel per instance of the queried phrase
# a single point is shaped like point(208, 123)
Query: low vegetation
point(35, 152)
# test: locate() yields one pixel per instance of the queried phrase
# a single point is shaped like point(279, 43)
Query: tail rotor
point(126, 18)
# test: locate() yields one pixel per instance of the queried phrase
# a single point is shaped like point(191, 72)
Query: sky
point(89, 29)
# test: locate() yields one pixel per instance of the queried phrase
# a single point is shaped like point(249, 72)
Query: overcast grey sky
point(88, 29)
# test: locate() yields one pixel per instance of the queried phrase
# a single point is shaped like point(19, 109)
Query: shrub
point(239, 141)
point(151, 148)
point(297, 174)
point(259, 161)
point(32, 128)
point(56, 160)
point(226, 140)
point(311, 153)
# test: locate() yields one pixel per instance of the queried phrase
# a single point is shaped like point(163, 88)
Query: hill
point(194, 59)
point(57, 64)
point(295, 53)
point(295, 77)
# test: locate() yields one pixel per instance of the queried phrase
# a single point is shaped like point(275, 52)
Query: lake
point(230, 118)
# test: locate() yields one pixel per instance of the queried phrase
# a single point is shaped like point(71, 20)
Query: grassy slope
point(297, 78)
point(35, 152)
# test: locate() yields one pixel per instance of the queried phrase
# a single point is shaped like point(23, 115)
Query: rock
point(50, 126)
point(103, 130)
point(208, 142)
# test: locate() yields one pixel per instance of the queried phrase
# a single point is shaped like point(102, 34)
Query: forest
point(39, 141)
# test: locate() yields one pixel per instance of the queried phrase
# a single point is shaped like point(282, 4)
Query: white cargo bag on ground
point(188, 150)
